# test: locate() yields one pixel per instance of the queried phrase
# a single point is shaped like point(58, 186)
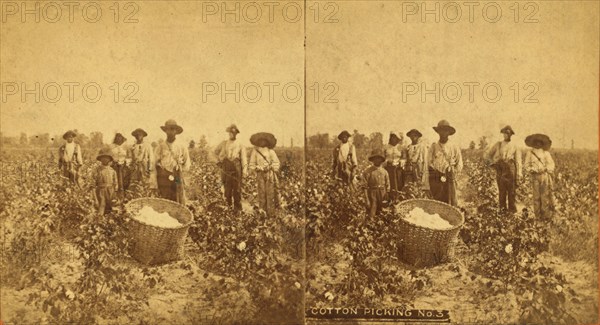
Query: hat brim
point(531, 140)
point(344, 134)
point(414, 133)
point(234, 130)
point(136, 132)
point(256, 138)
point(505, 130)
point(176, 127)
point(104, 155)
point(373, 157)
point(445, 128)
point(70, 133)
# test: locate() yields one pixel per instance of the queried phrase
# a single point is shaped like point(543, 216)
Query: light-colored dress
point(265, 163)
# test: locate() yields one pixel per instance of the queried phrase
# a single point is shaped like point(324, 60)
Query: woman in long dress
point(264, 162)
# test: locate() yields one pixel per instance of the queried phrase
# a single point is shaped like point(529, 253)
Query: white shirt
point(69, 149)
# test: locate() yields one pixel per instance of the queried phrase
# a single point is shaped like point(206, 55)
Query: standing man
point(232, 159)
point(393, 154)
point(142, 160)
point(416, 169)
point(172, 161)
point(445, 162)
point(120, 156)
point(505, 157)
point(344, 159)
point(539, 163)
point(69, 158)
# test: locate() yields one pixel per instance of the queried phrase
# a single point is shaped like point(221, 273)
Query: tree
point(96, 139)
point(359, 139)
point(319, 140)
point(376, 140)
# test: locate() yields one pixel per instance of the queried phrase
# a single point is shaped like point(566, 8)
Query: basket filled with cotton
point(428, 231)
point(158, 230)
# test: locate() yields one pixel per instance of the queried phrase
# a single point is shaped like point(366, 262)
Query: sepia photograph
point(455, 180)
point(299, 162)
point(152, 164)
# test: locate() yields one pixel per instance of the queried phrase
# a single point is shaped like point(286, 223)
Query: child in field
point(376, 183)
point(105, 180)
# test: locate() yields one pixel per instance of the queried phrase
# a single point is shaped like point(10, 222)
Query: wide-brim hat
point(376, 153)
point(538, 141)
point(507, 129)
point(444, 125)
point(232, 128)
point(344, 134)
point(171, 124)
point(105, 152)
point(69, 133)
point(268, 137)
point(139, 131)
point(414, 132)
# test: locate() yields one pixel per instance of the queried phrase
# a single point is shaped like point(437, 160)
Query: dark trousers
point(232, 181)
point(442, 190)
point(506, 178)
point(396, 180)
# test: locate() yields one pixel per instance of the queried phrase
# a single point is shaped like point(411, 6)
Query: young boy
point(376, 183)
point(105, 180)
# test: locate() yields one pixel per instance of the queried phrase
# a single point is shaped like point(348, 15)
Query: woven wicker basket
point(420, 246)
point(153, 245)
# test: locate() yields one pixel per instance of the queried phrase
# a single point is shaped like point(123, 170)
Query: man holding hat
point(172, 161)
point(376, 183)
point(142, 160)
point(231, 156)
point(394, 155)
point(70, 158)
point(539, 163)
point(445, 162)
point(344, 158)
point(505, 157)
point(417, 164)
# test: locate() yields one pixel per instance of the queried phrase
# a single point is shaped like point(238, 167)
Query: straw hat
point(256, 138)
point(414, 132)
point(104, 152)
point(68, 134)
point(171, 124)
point(538, 141)
point(444, 125)
point(139, 131)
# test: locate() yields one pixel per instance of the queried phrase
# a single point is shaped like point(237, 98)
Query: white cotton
point(419, 217)
point(151, 217)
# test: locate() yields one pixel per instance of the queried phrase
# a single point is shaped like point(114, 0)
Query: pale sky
point(363, 61)
point(371, 53)
point(170, 53)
